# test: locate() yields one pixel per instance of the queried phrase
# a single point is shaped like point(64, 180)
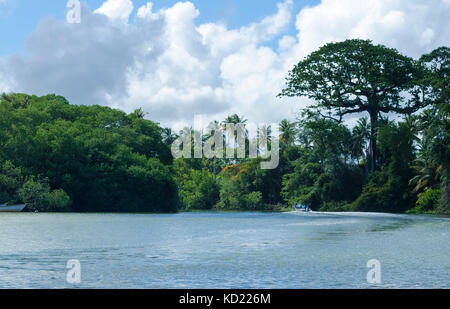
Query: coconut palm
point(168, 136)
point(361, 137)
point(427, 174)
point(288, 132)
point(240, 133)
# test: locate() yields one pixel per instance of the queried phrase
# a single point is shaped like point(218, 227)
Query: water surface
point(224, 250)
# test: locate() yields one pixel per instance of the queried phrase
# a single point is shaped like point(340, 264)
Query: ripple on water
point(233, 250)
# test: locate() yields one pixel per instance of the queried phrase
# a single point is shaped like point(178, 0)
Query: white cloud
point(397, 23)
point(196, 71)
point(5, 82)
point(116, 9)
point(174, 68)
point(145, 11)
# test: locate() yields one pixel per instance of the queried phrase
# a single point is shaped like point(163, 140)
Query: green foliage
point(357, 76)
point(326, 170)
point(198, 189)
point(58, 200)
point(434, 125)
point(388, 189)
point(11, 180)
point(56, 156)
point(38, 197)
point(103, 158)
point(336, 206)
point(299, 187)
point(428, 202)
point(253, 200)
point(241, 187)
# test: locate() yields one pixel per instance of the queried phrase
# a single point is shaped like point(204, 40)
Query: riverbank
point(266, 209)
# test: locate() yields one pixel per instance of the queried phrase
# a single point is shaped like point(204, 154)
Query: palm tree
point(235, 119)
point(264, 135)
point(427, 174)
point(240, 133)
point(288, 132)
point(361, 138)
point(214, 165)
point(168, 136)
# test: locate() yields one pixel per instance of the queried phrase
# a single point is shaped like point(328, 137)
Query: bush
point(253, 201)
point(230, 196)
point(372, 200)
point(38, 197)
point(11, 179)
point(336, 206)
point(200, 191)
point(428, 202)
point(58, 201)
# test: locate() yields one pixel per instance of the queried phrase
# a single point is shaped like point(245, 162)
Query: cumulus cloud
point(174, 68)
point(116, 9)
point(5, 82)
point(412, 26)
point(145, 12)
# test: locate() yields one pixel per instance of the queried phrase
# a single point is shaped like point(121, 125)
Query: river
point(224, 250)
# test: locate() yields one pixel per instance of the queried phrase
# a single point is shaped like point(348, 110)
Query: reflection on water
point(224, 250)
point(391, 227)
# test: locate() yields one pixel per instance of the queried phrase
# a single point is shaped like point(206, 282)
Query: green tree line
point(55, 156)
point(375, 138)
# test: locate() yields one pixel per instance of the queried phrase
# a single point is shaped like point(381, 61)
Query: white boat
point(12, 208)
point(300, 208)
point(305, 211)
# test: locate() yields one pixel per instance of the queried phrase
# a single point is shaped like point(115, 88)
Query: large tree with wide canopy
point(356, 76)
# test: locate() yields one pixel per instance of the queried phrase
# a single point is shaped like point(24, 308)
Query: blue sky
point(18, 18)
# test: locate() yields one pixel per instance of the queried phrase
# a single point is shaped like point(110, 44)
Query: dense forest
point(375, 138)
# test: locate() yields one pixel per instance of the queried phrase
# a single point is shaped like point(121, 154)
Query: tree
point(104, 159)
point(245, 186)
point(388, 189)
point(427, 174)
point(435, 122)
point(38, 196)
point(198, 189)
point(233, 138)
point(168, 136)
point(436, 77)
point(324, 173)
point(356, 76)
point(361, 135)
point(288, 131)
point(11, 180)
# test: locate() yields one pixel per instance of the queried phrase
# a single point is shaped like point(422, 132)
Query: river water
point(224, 250)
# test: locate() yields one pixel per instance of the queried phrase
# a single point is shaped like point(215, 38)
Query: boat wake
point(363, 215)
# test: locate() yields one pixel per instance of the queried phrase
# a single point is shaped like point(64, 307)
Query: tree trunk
point(373, 153)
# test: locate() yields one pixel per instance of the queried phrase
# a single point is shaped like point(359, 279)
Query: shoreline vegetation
point(59, 157)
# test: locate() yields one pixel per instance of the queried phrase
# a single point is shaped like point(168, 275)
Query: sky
point(18, 18)
point(177, 59)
